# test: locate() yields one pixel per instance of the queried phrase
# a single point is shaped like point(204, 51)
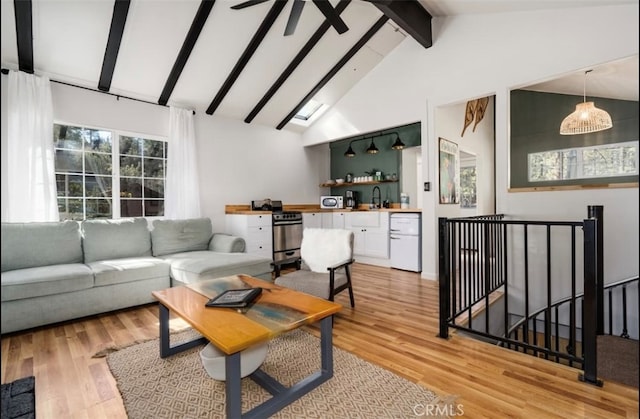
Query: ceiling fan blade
point(332, 16)
point(296, 11)
point(247, 3)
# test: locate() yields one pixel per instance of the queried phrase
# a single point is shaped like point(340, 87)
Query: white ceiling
point(70, 38)
point(614, 80)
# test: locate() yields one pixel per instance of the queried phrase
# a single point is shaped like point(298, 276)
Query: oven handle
point(286, 223)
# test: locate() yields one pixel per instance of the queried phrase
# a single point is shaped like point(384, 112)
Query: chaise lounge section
point(58, 271)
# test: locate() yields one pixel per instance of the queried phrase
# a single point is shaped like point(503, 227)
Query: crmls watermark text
point(439, 408)
point(438, 411)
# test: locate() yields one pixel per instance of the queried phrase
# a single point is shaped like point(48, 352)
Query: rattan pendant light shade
point(586, 118)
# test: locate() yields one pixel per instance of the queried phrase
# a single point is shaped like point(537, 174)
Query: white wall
point(489, 54)
point(237, 162)
point(450, 121)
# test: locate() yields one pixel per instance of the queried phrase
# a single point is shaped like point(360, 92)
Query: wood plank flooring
point(394, 325)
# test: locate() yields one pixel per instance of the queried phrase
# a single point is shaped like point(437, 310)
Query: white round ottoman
point(250, 360)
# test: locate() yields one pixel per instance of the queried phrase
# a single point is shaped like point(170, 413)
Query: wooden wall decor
point(474, 111)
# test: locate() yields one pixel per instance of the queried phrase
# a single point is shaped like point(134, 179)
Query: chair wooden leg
point(353, 303)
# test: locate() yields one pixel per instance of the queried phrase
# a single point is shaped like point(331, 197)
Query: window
point(468, 187)
point(106, 174)
point(620, 159)
point(308, 110)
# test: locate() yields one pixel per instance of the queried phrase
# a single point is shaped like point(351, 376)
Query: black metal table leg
point(165, 343)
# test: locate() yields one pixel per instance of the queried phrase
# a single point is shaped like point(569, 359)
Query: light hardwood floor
point(394, 324)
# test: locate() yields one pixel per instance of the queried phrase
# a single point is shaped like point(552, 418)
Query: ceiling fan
point(323, 5)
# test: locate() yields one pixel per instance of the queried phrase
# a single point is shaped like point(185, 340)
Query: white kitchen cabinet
point(327, 220)
point(256, 230)
point(312, 220)
point(338, 219)
point(371, 233)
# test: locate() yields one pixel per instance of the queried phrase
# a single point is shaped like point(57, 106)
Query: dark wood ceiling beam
point(118, 20)
point(187, 47)
point(410, 16)
point(24, 34)
point(334, 70)
point(266, 24)
point(304, 51)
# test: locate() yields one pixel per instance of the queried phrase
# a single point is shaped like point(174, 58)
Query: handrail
point(475, 256)
point(567, 299)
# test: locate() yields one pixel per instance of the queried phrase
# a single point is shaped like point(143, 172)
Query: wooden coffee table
point(276, 311)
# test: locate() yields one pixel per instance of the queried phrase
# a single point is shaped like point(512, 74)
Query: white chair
point(327, 255)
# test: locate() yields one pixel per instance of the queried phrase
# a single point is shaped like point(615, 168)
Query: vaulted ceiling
point(226, 57)
point(231, 58)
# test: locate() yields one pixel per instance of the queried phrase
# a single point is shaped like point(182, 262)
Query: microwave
point(331, 202)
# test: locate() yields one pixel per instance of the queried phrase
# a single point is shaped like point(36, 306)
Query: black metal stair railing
point(571, 345)
point(483, 256)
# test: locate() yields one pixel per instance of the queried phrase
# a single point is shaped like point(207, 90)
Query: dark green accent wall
point(535, 127)
point(387, 160)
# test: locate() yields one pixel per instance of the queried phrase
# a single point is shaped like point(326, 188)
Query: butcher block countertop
point(246, 209)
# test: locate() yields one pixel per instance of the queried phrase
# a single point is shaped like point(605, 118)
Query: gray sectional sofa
point(58, 271)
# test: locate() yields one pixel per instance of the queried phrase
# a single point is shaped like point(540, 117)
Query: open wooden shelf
point(374, 182)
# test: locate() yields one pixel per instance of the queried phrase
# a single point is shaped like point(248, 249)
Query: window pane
point(153, 208)
point(98, 208)
point(131, 146)
point(97, 140)
point(131, 208)
point(67, 137)
point(97, 163)
point(70, 209)
point(468, 187)
point(68, 161)
point(629, 160)
point(130, 166)
point(153, 148)
point(618, 159)
point(130, 188)
point(570, 164)
point(545, 166)
point(154, 168)
point(98, 186)
point(153, 188)
point(69, 185)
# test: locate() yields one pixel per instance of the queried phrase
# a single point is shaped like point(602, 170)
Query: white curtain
point(182, 193)
point(30, 151)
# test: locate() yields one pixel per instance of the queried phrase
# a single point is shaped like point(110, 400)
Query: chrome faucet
point(376, 201)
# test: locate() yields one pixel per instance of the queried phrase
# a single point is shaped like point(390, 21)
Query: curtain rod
point(5, 71)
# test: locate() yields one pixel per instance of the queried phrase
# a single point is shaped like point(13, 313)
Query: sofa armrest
point(221, 242)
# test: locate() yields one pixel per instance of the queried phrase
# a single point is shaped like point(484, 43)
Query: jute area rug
point(179, 386)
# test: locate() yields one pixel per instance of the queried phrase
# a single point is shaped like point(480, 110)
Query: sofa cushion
point(113, 239)
point(117, 271)
point(189, 267)
point(45, 280)
point(28, 245)
point(222, 242)
point(176, 236)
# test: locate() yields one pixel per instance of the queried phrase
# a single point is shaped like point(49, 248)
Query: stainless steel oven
point(287, 235)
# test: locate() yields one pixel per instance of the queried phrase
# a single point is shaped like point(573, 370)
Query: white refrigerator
point(405, 241)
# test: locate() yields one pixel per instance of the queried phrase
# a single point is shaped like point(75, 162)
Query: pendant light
point(586, 118)
point(398, 145)
point(372, 148)
point(350, 152)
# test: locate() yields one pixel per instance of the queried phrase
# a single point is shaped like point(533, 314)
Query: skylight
point(308, 110)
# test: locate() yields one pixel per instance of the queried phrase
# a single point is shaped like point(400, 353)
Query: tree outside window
point(468, 187)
